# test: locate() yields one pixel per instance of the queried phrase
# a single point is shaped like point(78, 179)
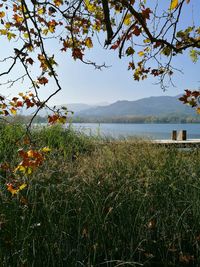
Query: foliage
point(171, 118)
point(142, 31)
point(191, 98)
point(100, 207)
point(110, 204)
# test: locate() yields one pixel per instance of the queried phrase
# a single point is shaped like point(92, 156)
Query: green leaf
point(130, 51)
point(194, 54)
point(166, 51)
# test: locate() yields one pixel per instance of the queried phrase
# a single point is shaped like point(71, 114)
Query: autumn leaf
point(62, 119)
point(2, 14)
point(14, 190)
point(21, 187)
point(41, 10)
point(30, 60)
point(130, 51)
point(136, 31)
point(11, 189)
point(43, 80)
point(77, 53)
point(141, 53)
point(58, 2)
point(88, 42)
point(166, 51)
point(18, 19)
point(5, 112)
point(21, 94)
point(13, 111)
point(3, 32)
point(10, 35)
point(53, 118)
point(46, 149)
point(115, 45)
point(174, 4)
point(56, 118)
point(127, 20)
point(90, 7)
point(146, 13)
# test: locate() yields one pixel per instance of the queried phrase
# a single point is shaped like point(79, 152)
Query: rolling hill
point(151, 106)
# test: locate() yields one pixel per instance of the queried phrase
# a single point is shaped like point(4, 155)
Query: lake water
point(152, 131)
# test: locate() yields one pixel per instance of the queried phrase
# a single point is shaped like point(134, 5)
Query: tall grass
point(92, 203)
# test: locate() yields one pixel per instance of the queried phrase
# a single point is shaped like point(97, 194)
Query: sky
point(81, 83)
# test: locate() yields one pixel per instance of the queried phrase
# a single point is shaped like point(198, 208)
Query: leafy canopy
point(149, 34)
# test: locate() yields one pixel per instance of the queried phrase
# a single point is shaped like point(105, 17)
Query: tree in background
point(149, 34)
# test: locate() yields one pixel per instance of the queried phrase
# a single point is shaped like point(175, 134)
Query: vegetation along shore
point(97, 203)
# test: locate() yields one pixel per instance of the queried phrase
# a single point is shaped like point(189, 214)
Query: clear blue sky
point(82, 84)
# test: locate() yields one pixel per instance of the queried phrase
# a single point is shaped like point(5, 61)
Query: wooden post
point(182, 135)
point(174, 135)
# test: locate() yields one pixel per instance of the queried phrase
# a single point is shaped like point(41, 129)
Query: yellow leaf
point(127, 20)
point(96, 27)
point(13, 111)
point(3, 32)
point(52, 29)
point(46, 149)
point(90, 7)
point(7, 25)
point(30, 153)
point(30, 47)
point(141, 53)
point(26, 35)
point(41, 11)
point(88, 42)
point(198, 110)
point(29, 170)
point(62, 120)
point(146, 40)
point(45, 31)
point(20, 168)
point(21, 187)
point(174, 4)
point(10, 35)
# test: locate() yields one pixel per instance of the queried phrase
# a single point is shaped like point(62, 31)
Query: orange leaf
point(2, 14)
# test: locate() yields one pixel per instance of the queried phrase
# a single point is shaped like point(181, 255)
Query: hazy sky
point(82, 83)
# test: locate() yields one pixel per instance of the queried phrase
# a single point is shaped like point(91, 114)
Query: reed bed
point(97, 203)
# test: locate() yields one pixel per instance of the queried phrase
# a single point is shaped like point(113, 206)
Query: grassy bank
point(96, 204)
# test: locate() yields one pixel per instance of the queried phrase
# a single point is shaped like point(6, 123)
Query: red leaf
point(115, 45)
point(136, 30)
point(43, 80)
point(53, 119)
point(77, 53)
point(146, 13)
point(30, 60)
point(19, 104)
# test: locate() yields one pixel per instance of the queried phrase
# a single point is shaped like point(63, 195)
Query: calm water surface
point(153, 131)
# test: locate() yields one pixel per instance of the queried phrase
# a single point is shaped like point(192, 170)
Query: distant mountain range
point(151, 106)
point(75, 107)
